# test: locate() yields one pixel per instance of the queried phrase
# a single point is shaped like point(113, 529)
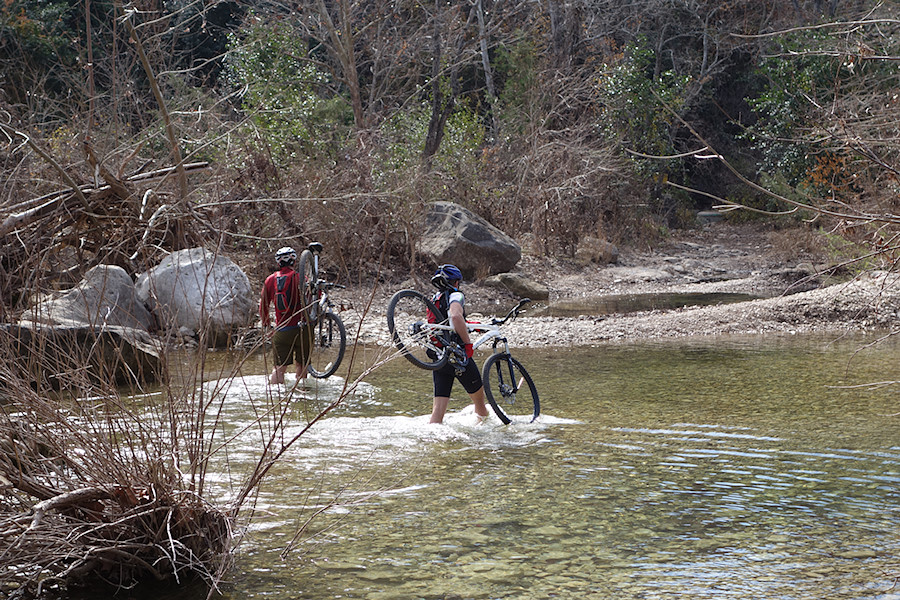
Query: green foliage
point(463, 138)
point(35, 46)
point(516, 69)
point(783, 108)
point(285, 93)
point(404, 135)
point(639, 104)
point(405, 131)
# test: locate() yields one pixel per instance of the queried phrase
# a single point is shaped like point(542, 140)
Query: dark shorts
point(292, 345)
point(443, 379)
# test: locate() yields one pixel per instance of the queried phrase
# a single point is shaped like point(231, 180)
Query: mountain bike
point(508, 387)
point(329, 333)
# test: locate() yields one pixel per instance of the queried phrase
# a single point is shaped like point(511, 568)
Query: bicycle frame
point(320, 285)
point(491, 330)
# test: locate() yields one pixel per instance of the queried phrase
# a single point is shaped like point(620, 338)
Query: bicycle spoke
point(509, 389)
point(329, 344)
point(410, 331)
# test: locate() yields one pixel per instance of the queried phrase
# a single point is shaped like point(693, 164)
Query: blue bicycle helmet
point(444, 275)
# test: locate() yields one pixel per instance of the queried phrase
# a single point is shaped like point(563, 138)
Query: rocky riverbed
point(787, 285)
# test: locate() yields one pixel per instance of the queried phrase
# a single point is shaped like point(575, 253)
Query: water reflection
point(733, 467)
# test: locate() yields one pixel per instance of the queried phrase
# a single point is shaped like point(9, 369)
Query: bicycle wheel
point(308, 275)
point(329, 344)
point(407, 324)
point(509, 389)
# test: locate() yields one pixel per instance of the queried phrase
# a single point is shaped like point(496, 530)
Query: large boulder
point(453, 234)
point(198, 290)
point(61, 355)
point(106, 296)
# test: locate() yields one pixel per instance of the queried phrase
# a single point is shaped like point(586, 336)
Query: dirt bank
point(792, 294)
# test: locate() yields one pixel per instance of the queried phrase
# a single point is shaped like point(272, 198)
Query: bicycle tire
point(503, 378)
point(308, 277)
point(329, 345)
point(406, 310)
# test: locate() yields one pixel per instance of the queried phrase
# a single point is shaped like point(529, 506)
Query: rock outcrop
point(454, 234)
point(199, 291)
point(518, 284)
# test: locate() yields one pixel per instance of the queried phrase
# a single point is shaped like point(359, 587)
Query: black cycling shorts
point(443, 379)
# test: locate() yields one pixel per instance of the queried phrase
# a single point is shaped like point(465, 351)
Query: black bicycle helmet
point(444, 275)
point(286, 256)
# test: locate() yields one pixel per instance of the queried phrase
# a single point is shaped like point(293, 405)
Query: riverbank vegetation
point(107, 488)
point(131, 130)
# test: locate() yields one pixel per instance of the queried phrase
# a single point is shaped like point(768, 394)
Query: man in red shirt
point(293, 336)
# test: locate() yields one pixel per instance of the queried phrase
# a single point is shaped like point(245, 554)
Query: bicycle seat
point(315, 247)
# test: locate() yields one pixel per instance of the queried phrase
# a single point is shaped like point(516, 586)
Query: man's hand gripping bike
point(507, 385)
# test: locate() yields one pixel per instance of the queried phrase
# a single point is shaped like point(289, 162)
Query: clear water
point(741, 468)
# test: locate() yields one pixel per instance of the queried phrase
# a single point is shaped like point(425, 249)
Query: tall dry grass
point(112, 486)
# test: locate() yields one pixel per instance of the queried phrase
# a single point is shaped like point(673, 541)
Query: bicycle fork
point(507, 390)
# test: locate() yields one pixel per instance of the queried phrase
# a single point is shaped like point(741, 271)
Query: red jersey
point(283, 289)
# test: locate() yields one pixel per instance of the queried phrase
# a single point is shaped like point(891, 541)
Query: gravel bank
point(791, 298)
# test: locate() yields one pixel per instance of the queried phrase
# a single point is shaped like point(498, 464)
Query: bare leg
point(277, 375)
point(300, 370)
point(441, 402)
point(440, 407)
point(478, 400)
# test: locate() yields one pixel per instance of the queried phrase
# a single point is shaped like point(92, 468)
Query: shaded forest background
point(131, 130)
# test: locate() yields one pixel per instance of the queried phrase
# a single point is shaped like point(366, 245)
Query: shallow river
point(741, 468)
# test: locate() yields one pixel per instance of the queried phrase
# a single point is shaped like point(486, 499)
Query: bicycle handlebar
point(512, 314)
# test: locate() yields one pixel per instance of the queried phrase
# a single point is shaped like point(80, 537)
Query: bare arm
point(264, 308)
point(458, 321)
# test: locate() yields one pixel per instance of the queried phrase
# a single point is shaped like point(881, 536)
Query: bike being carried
point(421, 328)
point(329, 336)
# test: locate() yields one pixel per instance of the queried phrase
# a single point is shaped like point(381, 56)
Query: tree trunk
point(486, 64)
point(440, 110)
point(342, 40)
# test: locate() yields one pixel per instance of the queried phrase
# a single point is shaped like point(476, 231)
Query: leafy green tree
point(405, 134)
point(285, 94)
point(37, 50)
point(639, 104)
point(784, 107)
